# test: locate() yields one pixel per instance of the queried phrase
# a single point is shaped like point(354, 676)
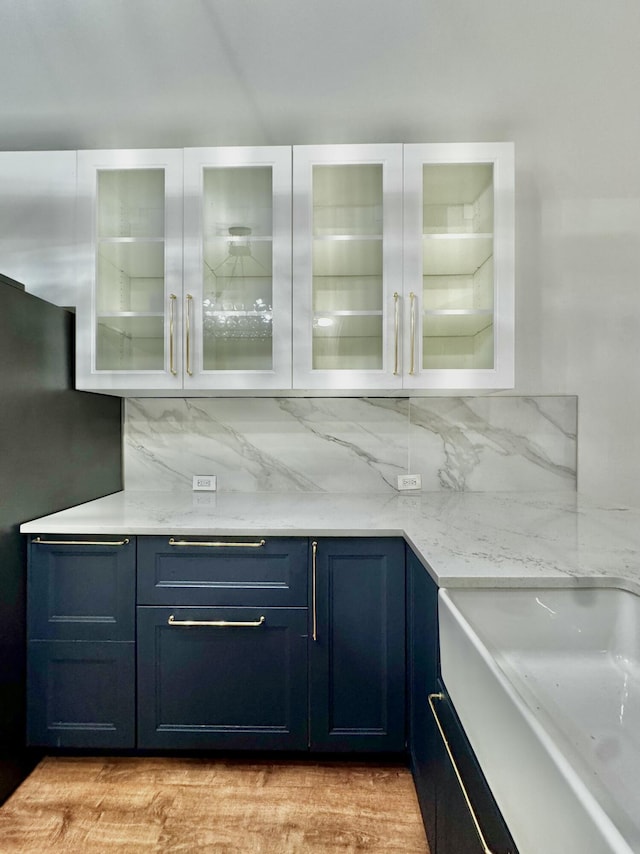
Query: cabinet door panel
point(129, 309)
point(458, 270)
point(238, 267)
point(81, 694)
point(422, 669)
point(357, 660)
point(347, 266)
point(455, 827)
point(82, 592)
point(272, 574)
point(236, 687)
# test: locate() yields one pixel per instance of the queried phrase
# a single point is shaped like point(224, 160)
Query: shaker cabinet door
point(357, 645)
point(81, 694)
point(222, 678)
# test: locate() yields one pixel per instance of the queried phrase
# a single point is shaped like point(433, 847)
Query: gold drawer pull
point(396, 335)
point(221, 624)
point(172, 336)
point(217, 545)
point(314, 574)
point(81, 542)
point(476, 824)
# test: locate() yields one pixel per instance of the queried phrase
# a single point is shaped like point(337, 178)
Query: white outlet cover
point(205, 482)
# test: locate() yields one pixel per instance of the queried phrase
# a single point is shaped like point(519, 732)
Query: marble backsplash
point(360, 445)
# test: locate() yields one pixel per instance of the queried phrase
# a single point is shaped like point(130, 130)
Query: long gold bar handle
point(217, 544)
point(476, 824)
point(188, 345)
point(81, 542)
point(396, 332)
point(314, 610)
point(412, 326)
point(220, 624)
point(172, 335)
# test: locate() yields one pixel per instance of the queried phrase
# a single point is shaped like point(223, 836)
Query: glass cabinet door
point(459, 266)
point(347, 266)
point(130, 208)
point(237, 268)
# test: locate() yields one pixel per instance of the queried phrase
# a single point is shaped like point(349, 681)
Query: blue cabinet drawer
point(222, 678)
point(223, 571)
point(82, 588)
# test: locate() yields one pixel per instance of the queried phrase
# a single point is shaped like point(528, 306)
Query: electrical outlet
point(205, 482)
point(409, 481)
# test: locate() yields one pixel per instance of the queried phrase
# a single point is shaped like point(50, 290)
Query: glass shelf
point(456, 322)
point(455, 254)
point(127, 342)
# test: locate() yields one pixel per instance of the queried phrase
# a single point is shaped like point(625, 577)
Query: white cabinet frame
point(501, 155)
point(278, 159)
point(304, 159)
point(169, 378)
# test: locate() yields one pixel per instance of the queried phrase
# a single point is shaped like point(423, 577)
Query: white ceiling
point(558, 77)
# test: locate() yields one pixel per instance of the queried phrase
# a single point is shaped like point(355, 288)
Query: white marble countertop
point(464, 539)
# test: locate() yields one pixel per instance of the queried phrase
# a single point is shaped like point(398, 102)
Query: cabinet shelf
point(338, 237)
point(457, 256)
point(453, 323)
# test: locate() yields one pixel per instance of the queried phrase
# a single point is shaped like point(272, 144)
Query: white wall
point(559, 78)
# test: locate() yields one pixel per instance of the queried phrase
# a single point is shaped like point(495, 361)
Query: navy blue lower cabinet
point(81, 694)
point(471, 823)
point(222, 678)
point(422, 674)
point(357, 645)
point(81, 642)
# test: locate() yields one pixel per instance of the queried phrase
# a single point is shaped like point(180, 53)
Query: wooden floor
point(178, 805)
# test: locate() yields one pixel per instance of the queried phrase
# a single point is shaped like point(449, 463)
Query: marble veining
point(352, 444)
point(265, 445)
point(488, 443)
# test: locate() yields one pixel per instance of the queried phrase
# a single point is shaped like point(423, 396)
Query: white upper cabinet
point(237, 268)
point(129, 271)
point(333, 267)
point(459, 266)
point(185, 261)
point(347, 266)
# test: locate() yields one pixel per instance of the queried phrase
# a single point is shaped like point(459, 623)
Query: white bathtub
point(547, 685)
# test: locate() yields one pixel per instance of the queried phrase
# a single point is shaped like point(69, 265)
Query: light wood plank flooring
point(158, 804)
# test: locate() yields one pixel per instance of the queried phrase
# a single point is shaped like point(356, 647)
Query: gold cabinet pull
point(218, 624)
point(172, 338)
point(218, 544)
point(42, 542)
point(474, 818)
point(396, 332)
point(412, 327)
point(314, 610)
point(188, 345)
